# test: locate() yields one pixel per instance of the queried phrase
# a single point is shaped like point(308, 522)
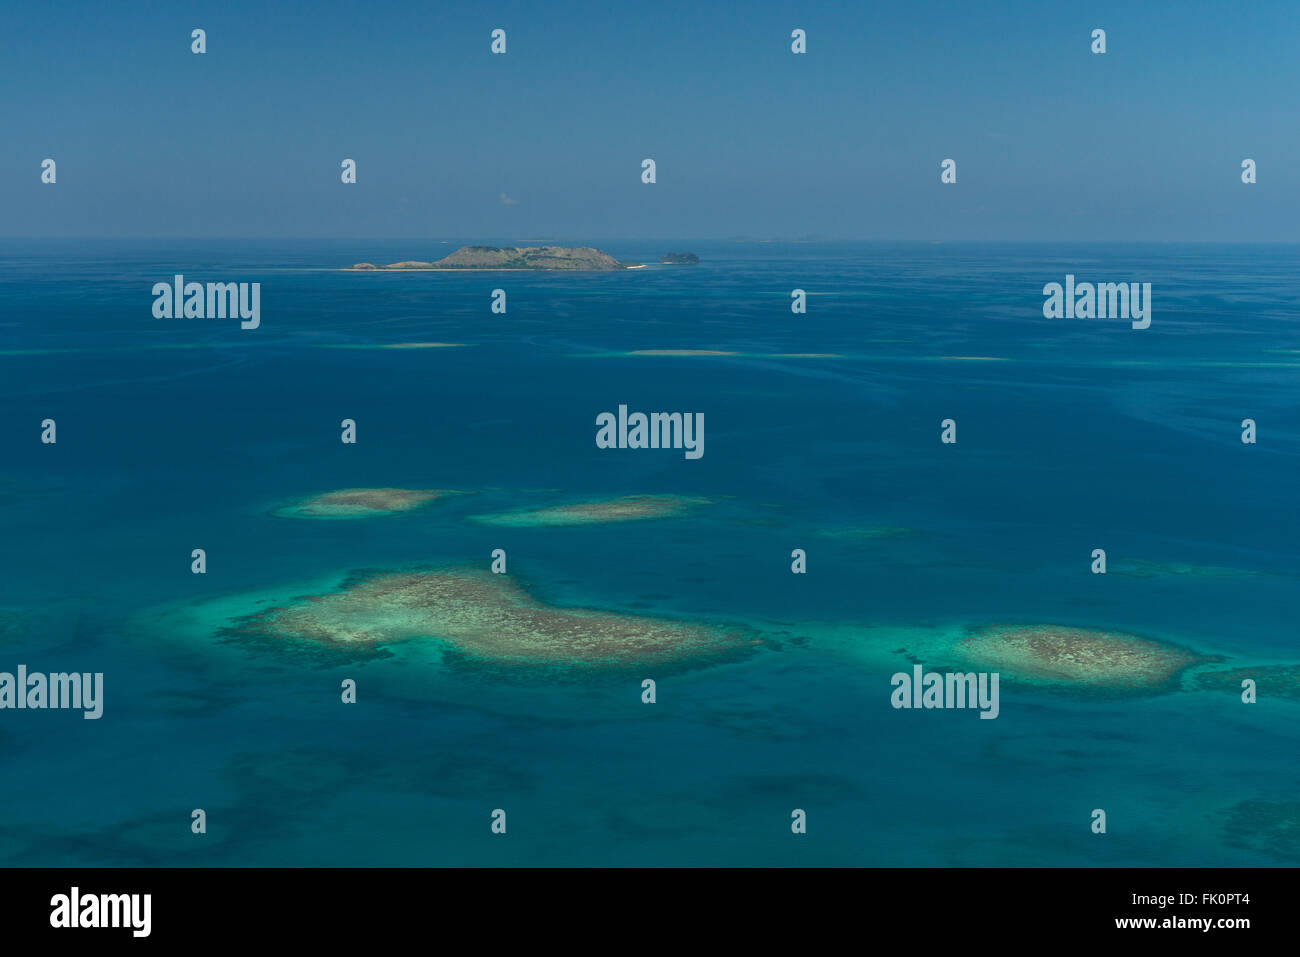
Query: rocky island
point(566, 258)
point(680, 259)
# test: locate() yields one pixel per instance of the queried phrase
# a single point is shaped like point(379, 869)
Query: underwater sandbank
point(1144, 568)
point(679, 352)
point(627, 509)
point(363, 502)
point(1057, 655)
point(866, 532)
point(394, 345)
point(482, 616)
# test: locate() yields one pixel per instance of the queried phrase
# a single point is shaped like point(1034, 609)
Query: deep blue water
point(185, 433)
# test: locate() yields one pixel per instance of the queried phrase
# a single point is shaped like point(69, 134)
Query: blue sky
point(1052, 142)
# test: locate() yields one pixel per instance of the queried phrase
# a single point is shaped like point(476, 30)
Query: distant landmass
point(570, 258)
point(680, 259)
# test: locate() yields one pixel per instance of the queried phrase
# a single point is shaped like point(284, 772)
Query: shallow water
point(183, 434)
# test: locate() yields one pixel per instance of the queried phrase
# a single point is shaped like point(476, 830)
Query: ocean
point(822, 433)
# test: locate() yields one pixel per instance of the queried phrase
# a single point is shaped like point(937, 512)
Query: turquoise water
point(182, 434)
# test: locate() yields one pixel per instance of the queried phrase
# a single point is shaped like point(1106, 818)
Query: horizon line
point(739, 240)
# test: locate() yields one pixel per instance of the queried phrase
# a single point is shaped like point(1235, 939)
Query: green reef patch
point(1059, 656)
point(1271, 828)
point(630, 508)
point(1280, 681)
point(363, 502)
point(479, 616)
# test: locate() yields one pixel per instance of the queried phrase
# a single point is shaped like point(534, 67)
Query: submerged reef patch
point(363, 502)
point(866, 532)
point(680, 352)
point(1062, 656)
point(1266, 827)
point(480, 616)
point(1143, 568)
point(628, 509)
point(1271, 681)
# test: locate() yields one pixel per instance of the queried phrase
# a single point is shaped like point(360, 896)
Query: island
point(680, 259)
point(564, 258)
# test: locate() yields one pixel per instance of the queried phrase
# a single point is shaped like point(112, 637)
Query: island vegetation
point(564, 258)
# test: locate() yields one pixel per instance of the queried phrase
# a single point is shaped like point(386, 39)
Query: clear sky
point(1051, 141)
